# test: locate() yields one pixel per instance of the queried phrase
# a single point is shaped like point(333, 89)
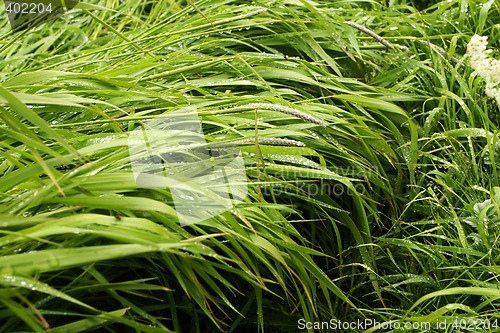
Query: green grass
point(406, 228)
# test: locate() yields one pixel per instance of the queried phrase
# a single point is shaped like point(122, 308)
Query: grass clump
point(372, 171)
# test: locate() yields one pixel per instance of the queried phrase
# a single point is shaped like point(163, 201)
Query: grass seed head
point(286, 110)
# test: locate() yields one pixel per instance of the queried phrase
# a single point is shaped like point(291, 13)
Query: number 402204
point(28, 8)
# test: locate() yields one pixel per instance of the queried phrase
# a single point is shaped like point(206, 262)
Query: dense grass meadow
point(370, 160)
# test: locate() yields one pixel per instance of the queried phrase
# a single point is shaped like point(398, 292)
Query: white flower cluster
point(486, 67)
